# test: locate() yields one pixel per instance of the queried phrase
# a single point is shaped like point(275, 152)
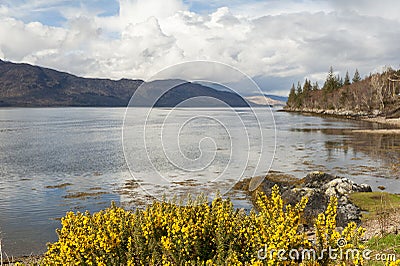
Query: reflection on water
point(329, 144)
point(380, 147)
point(55, 160)
point(383, 148)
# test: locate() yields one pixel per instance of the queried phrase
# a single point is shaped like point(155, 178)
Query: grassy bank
point(381, 218)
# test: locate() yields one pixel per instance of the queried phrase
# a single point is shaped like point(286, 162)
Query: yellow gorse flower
point(198, 233)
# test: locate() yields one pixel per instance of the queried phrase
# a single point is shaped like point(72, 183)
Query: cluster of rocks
point(318, 187)
point(347, 113)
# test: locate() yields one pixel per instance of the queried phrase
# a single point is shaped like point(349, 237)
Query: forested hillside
point(375, 95)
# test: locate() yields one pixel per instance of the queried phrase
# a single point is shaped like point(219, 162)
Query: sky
point(277, 43)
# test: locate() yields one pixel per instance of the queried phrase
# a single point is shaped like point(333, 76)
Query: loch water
point(54, 160)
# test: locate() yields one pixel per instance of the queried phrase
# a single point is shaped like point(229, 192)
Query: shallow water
point(54, 160)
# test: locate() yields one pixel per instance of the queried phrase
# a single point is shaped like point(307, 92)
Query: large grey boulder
point(318, 187)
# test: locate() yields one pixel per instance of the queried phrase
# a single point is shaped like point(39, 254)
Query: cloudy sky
point(275, 42)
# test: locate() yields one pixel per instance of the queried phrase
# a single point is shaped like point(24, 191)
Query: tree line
point(377, 93)
point(333, 82)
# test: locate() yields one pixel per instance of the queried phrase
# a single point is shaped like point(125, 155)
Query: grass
point(383, 246)
point(377, 206)
point(389, 243)
point(375, 203)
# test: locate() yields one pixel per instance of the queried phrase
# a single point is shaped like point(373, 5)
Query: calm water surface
point(54, 160)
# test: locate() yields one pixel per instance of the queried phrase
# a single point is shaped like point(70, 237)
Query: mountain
point(184, 94)
point(214, 86)
point(27, 85)
point(277, 98)
point(265, 100)
point(33, 86)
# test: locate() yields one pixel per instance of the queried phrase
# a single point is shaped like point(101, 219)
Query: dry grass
point(381, 212)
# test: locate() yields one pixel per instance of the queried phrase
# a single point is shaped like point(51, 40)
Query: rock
point(304, 192)
point(317, 179)
point(318, 187)
point(365, 188)
point(342, 186)
point(376, 112)
point(348, 213)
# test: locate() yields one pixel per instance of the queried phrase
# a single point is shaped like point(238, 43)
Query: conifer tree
point(306, 91)
point(299, 89)
point(292, 96)
point(356, 77)
point(347, 79)
point(307, 86)
point(332, 81)
point(299, 95)
point(339, 82)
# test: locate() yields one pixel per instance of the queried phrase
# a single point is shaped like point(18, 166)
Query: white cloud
point(4, 10)
point(274, 41)
point(254, 9)
point(18, 39)
point(135, 11)
point(387, 9)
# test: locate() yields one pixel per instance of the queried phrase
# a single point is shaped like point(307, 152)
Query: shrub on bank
point(203, 234)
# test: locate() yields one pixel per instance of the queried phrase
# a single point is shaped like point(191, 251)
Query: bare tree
point(378, 85)
point(392, 80)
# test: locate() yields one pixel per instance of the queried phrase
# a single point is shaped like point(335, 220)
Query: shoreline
point(393, 123)
point(384, 121)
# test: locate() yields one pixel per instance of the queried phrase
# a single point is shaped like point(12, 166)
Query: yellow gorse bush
point(200, 234)
point(346, 246)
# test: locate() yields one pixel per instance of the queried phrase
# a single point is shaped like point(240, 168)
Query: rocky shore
point(344, 113)
point(375, 116)
point(318, 187)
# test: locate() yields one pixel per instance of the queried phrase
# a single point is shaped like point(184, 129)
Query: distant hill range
point(266, 99)
point(281, 99)
point(25, 85)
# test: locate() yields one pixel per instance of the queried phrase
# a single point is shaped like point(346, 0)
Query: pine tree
point(347, 79)
point(339, 82)
point(356, 77)
point(292, 96)
point(307, 86)
point(299, 89)
point(299, 95)
point(332, 81)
